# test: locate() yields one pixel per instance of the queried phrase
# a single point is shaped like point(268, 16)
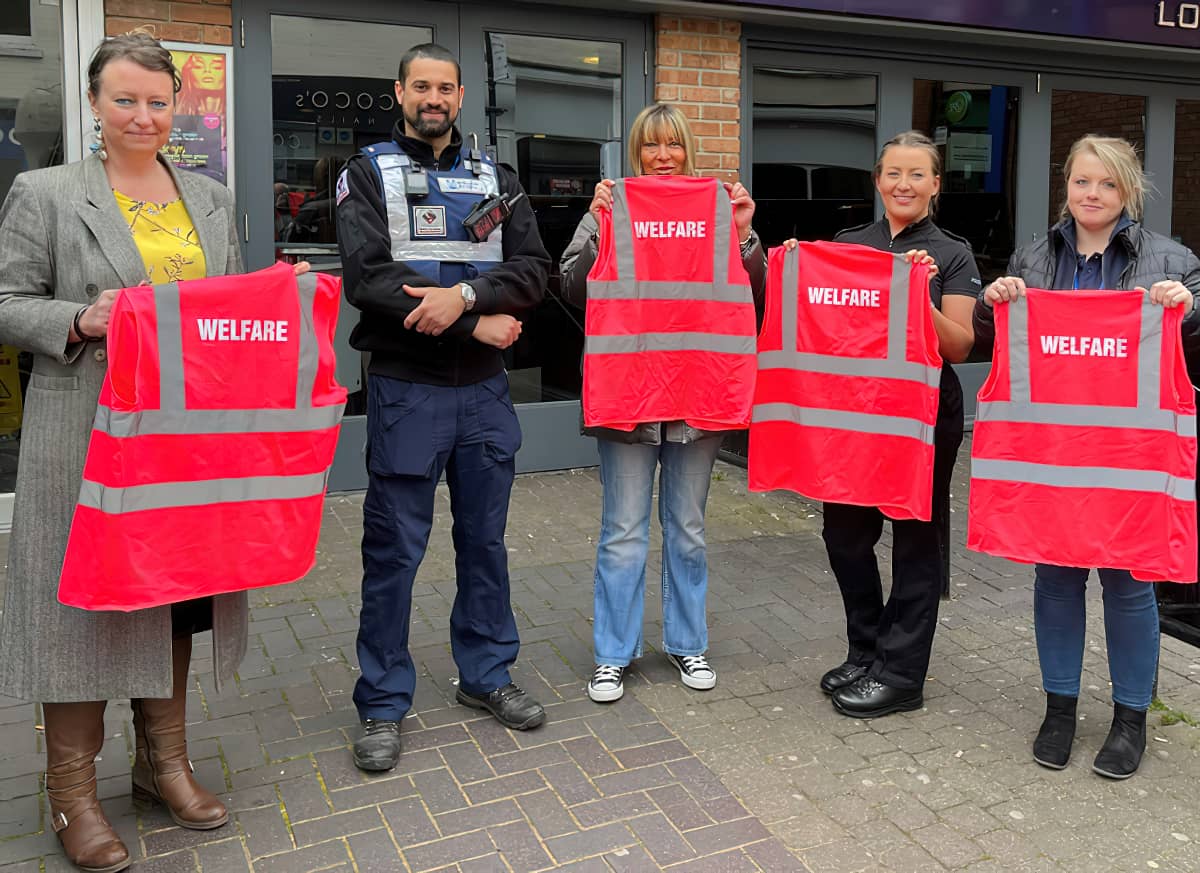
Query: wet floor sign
point(10, 392)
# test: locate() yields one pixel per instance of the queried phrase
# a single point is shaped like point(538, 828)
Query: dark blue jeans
point(1130, 627)
point(415, 432)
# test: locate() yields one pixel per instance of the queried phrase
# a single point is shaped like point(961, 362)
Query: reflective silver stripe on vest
point(490, 252)
point(310, 352)
point(681, 341)
point(405, 248)
point(215, 421)
point(391, 170)
point(170, 347)
point(1148, 481)
point(621, 289)
point(1085, 416)
point(1148, 414)
point(835, 365)
point(837, 419)
point(171, 495)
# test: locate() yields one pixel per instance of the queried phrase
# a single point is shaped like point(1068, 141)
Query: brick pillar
point(206, 21)
point(698, 66)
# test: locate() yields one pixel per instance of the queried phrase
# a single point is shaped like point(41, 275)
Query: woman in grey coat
point(64, 245)
point(1099, 243)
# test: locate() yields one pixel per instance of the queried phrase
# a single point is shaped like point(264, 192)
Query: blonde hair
point(1121, 161)
point(658, 122)
point(913, 139)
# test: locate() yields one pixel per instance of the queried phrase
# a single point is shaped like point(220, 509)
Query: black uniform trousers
point(894, 639)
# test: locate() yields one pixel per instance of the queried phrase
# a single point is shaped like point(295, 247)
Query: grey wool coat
point(63, 240)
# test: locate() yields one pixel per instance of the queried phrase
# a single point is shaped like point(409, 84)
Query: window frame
point(21, 45)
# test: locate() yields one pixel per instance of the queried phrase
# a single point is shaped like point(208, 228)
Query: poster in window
point(199, 140)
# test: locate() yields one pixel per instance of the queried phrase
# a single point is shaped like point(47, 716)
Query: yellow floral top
point(165, 238)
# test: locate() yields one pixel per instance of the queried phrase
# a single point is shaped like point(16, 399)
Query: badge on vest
point(429, 221)
point(451, 185)
point(343, 187)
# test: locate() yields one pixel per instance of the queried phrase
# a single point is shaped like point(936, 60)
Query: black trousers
point(894, 639)
point(191, 617)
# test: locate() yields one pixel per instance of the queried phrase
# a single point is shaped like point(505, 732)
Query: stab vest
point(216, 427)
point(670, 316)
point(848, 375)
point(427, 231)
point(1084, 449)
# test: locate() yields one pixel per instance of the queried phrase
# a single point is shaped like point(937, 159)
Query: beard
point(428, 127)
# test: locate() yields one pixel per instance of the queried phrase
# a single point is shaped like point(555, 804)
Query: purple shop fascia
point(1149, 22)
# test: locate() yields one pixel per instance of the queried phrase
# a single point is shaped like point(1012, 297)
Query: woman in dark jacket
point(660, 143)
point(1099, 243)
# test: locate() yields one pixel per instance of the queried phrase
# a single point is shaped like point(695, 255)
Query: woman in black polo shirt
point(889, 643)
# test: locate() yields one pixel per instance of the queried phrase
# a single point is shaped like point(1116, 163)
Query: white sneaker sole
point(697, 683)
point(606, 695)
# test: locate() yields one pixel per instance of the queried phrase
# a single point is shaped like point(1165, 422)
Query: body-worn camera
point(416, 181)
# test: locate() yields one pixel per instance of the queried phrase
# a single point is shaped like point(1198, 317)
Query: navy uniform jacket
point(373, 281)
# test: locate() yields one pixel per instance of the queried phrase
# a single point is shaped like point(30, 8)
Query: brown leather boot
point(162, 772)
point(74, 735)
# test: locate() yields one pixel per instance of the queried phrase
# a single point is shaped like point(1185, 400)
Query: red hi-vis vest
point(848, 375)
point(670, 317)
point(214, 434)
point(1084, 450)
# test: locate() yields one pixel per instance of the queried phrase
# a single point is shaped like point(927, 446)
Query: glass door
point(1185, 205)
point(554, 104)
point(819, 121)
point(1146, 113)
point(317, 88)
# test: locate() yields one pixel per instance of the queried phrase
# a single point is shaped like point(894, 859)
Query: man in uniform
point(437, 307)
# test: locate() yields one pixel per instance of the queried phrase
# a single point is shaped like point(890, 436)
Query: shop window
point(16, 19)
point(31, 137)
point(1076, 113)
point(975, 128)
point(333, 92)
point(554, 110)
point(814, 149)
point(1185, 214)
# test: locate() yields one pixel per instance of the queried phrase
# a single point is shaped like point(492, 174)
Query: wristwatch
point(468, 296)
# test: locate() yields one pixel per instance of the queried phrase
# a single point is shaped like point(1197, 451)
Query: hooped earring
point(97, 147)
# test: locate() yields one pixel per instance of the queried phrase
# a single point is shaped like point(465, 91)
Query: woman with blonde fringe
point(660, 144)
point(1098, 243)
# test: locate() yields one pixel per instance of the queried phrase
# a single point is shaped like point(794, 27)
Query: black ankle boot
point(1052, 748)
point(1122, 751)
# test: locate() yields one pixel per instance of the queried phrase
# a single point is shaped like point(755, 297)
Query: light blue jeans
point(627, 476)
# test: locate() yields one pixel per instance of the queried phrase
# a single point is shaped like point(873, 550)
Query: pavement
point(758, 774)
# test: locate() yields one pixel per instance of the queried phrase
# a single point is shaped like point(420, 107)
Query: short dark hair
point(433, 52)
point(138, 46)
